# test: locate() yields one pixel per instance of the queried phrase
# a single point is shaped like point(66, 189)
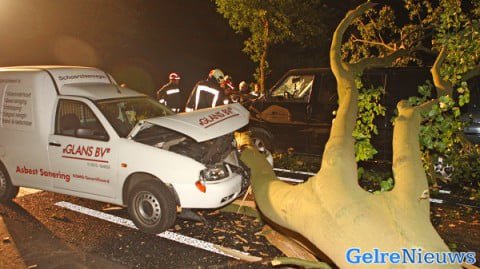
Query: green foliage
point(376, 33)
point(442, 126)
point(441, 134)
point(466, 173)
point(369, 108)
point(374, 180)
point(295, 162)
point(451, 24)
point(269, 23)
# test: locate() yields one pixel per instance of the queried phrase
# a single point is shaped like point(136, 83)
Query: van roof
point(98, 91)
point(44, 67)
point(88, 82)
point(63, 75)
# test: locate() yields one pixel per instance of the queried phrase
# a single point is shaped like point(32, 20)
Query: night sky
point(139, 42)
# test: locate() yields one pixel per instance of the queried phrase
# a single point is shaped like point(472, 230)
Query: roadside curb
point(10, 257)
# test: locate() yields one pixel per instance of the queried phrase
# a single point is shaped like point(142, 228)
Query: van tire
point(152, 206)
point(261, 137)
point(7, 190)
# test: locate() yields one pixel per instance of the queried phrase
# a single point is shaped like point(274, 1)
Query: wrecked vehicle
point(301, 103)
point(74, 131)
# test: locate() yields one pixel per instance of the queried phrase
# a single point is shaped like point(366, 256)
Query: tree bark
point(263, 58)
point(331, 209)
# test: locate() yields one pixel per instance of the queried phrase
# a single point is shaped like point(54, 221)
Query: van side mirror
point(89, 134)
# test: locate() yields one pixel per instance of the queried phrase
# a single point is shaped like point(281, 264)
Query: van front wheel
point(151, 206)
point(7, 190)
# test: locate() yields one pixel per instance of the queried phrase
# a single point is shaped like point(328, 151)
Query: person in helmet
point(170, 94)
point(207, 93)
point(228, 87)
point(243, 92)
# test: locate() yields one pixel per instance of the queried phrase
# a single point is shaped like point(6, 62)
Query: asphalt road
point(35, 233)
point(47, 236)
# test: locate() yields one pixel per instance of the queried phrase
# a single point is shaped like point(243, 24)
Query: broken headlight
point(215, 172)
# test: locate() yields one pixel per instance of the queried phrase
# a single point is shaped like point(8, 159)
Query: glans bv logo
point(86, 151)
point(216, 117)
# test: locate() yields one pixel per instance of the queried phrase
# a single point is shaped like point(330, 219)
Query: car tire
point(7, 190)
point(152, 206)
point(261, 138)
point(443, 168)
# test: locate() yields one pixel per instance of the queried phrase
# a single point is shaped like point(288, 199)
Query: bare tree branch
point(374, 43)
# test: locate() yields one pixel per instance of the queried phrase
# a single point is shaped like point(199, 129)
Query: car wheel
point(7, 190)
point(262, 140)
point(443, 168)
point(152, 206)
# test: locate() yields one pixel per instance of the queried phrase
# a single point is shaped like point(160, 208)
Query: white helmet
point(217, 74)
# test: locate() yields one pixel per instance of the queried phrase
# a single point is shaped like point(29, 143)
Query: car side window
point(474, 104)
point(327, 94)
point(294, 88)
point(76, 119)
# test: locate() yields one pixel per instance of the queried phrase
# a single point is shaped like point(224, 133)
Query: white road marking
point(294, 172)
point(438, 201)
point(290, 179)
point(167, 234)
point(26, 191)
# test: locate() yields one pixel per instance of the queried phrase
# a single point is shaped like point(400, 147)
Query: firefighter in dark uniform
point(208, 93)
point(170, 94)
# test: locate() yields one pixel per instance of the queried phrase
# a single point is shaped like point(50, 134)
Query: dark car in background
point(297, 111)
point(471, 112)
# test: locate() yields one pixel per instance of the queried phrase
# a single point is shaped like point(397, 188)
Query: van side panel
point(26, 101)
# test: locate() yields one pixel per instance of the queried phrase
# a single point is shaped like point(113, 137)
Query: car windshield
point(124, 113)
point(295, 88)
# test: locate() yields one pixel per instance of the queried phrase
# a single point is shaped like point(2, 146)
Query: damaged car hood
point(201, 125)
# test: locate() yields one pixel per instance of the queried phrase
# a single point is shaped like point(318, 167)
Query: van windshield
point(124, 113)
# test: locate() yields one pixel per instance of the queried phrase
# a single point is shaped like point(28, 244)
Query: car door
point(285, 110)
point(401, 84)
point(321, 112)
point(81, 155)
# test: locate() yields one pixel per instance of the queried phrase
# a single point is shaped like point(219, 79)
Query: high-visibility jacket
point(206, 93)
point(171, 96)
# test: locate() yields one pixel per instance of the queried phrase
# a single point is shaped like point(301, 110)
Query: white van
point(73, 130)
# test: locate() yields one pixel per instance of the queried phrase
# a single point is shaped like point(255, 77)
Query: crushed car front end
point(206, 138)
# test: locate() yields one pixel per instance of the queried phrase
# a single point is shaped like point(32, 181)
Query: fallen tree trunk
point(331, 209)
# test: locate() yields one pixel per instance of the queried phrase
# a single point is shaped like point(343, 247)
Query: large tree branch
point(443, 87)
point(338, 67)
point(385, 61)
point(410, 178)
point(272, 196)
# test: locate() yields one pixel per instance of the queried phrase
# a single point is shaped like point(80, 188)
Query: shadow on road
point(38, 246)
